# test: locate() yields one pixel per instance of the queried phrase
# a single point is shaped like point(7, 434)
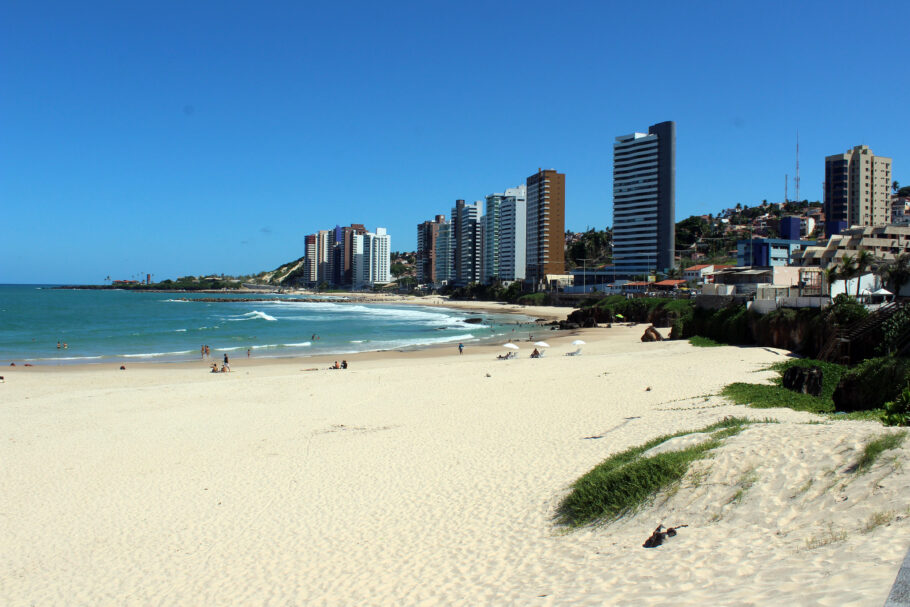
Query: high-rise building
point(309, 261)
point(427, 233)
point(445, 254)
point(858, 188)
point(644, 200)
point(499, 234)
point(468, 244)
point(546, 225)
point(513, 228)
point(371, 259)
point(491, 235)
point(323, 249)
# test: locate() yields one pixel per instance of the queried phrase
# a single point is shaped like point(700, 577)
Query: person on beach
point(207, 353)
point(58, 344)
point(461, 348)
point(227, 364)
point(247, 352)
point(214, 367)
point(535, 354)
point(344, 364)
point(202, 352)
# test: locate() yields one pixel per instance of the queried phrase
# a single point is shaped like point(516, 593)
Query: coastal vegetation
point(625, 481)
point(772, 395)
point(878, 389)
point(875, 447)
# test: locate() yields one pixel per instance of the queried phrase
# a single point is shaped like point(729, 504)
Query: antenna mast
point(796, 181)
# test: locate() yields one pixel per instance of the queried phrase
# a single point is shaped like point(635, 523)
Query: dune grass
point(626, 480)
point(875, 447)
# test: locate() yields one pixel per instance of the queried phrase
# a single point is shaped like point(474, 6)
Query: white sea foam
point(179, 330)
point(64, 358)
point(253, 315)
point(303, 344)
point(175, 300)
point(156, 354)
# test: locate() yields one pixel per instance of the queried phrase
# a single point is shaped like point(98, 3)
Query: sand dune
point(429, 478)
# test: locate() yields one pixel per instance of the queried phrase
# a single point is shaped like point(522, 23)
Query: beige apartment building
point(858, 188)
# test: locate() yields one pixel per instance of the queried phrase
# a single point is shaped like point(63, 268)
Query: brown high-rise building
point(427, 233)
point(858, 188)
point(347, 242)
point(546, 227)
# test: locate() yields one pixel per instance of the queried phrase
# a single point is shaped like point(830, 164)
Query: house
point(668, 285)
point(698, 272)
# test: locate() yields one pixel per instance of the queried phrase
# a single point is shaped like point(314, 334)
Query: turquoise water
point(113, 326)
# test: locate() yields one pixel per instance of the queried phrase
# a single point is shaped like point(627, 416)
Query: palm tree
point(847, 269)
point(897, 272)
point(864, 260)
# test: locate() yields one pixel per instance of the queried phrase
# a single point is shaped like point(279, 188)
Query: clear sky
point(207, 137)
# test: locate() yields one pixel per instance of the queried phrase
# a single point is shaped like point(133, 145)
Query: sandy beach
point(429, 478)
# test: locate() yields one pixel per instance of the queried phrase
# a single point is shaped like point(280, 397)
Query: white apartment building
point(512, 233)
point(371, 259)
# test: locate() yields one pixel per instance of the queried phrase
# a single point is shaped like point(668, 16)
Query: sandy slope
point(427, 480)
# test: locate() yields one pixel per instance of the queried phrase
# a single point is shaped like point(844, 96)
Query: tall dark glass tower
point(644, 200)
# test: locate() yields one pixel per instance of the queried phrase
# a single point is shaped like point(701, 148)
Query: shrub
point(534, 299)
point(897, 411)
point(845, 310)
point(872, 383)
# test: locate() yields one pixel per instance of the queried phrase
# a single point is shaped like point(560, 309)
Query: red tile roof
point(700, 266)
point(669, 283)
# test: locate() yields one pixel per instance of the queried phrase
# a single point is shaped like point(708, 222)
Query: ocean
point(104, 326)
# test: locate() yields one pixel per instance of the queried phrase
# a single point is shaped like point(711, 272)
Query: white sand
point(422, 480)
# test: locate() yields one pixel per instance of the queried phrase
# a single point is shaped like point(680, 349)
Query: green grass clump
point(704, 342)
point(763, 396)
point(626, 480)
point(876, 447)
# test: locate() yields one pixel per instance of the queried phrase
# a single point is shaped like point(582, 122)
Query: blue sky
point(188, 138)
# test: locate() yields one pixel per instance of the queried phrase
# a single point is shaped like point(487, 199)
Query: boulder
point(651, 334)
point(807, 380)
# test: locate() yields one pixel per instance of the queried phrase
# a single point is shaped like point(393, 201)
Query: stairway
point(837, 349)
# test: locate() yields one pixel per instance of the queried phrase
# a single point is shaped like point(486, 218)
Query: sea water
point(115, 325)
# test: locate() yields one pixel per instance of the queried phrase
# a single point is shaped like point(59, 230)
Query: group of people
point(204, 351)
point(225, 366)
point(343, 365)
point(64, 345)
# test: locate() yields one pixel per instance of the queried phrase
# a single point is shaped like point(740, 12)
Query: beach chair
point(575, 353)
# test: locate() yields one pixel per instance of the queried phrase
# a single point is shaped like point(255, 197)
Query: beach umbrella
point(510, 346)
point(619, 316)
point(578, 342)
point(541, 344)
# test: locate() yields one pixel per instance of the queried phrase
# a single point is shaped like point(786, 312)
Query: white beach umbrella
point(578, 342)
point(541, 344)
point(510, 346)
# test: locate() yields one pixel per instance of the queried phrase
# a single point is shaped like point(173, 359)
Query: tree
point(847, 269)
point(897, 272)
point(895, 187)
point(904, 191)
